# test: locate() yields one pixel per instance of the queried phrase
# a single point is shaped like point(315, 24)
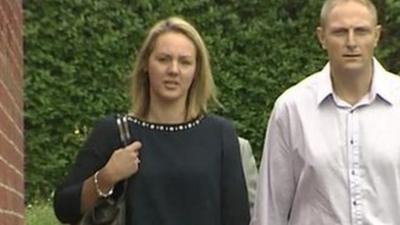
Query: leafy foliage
point(78, 54)
point(40, 213)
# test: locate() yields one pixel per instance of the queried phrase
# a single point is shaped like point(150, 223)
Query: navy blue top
point(189, 174)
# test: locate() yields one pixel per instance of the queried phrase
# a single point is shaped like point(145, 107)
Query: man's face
point(349, 35)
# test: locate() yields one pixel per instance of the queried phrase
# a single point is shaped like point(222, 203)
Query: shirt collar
point(324, 87)
point(379, 86)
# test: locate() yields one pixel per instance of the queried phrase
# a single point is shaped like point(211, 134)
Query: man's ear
point(378, 30)
point(321, 36)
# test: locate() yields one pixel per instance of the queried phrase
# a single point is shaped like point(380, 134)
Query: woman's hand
point(122, 164)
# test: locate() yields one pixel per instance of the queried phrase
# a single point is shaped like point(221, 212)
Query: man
point(332, 147)
point(249, 170)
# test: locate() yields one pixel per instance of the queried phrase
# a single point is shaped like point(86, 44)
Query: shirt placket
point(354, 166)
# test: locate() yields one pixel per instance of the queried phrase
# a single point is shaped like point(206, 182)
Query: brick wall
point(11, 114)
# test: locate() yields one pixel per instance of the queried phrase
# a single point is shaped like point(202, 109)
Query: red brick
point(11, 113)
point(10, 175)
point(10, 198)
point(10, 103)
point(9, 126)
point(9, 218)
point(10, 151)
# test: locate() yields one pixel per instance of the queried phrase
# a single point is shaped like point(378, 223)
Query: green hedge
point(78, 54)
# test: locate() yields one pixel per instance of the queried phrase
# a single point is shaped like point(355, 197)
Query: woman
point(184, 166)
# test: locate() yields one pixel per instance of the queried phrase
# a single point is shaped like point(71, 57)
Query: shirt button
point(351, 142)
point(353, 172)
point(354, 202)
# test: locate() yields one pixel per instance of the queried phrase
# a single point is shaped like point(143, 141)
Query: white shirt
point(326, 162)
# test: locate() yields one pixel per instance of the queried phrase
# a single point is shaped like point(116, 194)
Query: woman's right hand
point(123, 163)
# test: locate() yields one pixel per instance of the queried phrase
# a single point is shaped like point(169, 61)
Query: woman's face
point(171, 68)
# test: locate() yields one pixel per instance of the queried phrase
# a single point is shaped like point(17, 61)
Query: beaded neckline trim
point(167, 127)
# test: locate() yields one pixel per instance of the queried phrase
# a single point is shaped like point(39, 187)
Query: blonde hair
point(330, 4)
point(202, 90)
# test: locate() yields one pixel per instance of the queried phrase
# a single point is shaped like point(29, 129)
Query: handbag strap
point(125, 135)
point(123, 128)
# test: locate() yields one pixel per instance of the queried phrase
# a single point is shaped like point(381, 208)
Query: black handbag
point(110, 210)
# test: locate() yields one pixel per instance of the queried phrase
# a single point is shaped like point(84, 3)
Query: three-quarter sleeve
point(235, 205)
point(94, 154)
